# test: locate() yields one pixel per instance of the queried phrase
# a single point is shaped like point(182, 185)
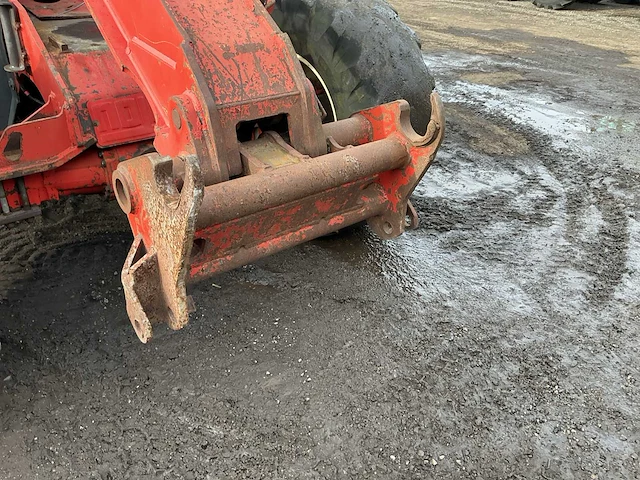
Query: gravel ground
point(499, 340)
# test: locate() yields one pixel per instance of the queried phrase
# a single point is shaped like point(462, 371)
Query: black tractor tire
point(559, 4)
point(552, 4)
point(366, 55)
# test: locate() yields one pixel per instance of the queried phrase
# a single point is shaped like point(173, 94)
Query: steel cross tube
point(251, 194)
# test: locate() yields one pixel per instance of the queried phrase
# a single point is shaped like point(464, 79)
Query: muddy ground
point(499, 340)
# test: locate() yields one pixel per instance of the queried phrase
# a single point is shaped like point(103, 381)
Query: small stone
point(434, 462)
point(393, 458)
point(421, 453)
point(441, 457)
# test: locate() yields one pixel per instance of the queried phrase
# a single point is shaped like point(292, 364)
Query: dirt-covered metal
point(241, 165)
point(195, 231)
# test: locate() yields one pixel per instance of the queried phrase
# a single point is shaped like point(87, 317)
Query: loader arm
point(214, 197)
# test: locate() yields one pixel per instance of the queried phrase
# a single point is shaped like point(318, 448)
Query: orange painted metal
point(22, 150)
point(88, 100)
point(205, 66)
point(89, 172)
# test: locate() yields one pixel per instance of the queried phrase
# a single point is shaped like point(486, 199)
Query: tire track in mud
point(26, 245)
point(528, 250)
point(537, 245)
point(537, 181)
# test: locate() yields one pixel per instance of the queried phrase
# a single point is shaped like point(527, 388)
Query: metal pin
point(3, 200)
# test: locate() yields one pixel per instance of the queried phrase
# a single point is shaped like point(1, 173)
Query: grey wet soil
point(499, 340)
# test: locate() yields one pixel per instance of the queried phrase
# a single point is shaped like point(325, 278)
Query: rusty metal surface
point(252, 194)
point(163, 219)
point(68, 80)
point(350, 131)
point(201, 231)
point(412, 219)
point(393, 119)
point(294, 204)
point(266, 153)
point(229, 245)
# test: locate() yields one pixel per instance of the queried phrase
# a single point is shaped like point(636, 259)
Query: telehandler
point(226, 130)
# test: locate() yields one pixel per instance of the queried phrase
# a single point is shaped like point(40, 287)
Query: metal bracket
point(394, 119)
point(155, 272)
point(289, 199)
